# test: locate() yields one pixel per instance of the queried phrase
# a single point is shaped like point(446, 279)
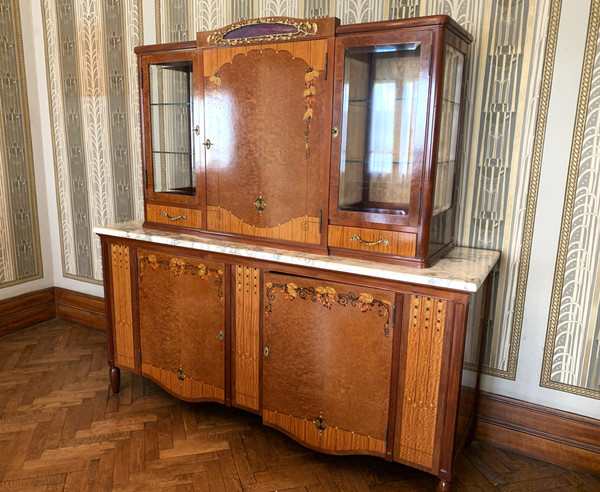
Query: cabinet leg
point(114, 375)
point(443, 486)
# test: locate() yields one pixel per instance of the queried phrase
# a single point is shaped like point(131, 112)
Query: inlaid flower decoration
point(309, 98)
point(180, 267)
point(327, 296)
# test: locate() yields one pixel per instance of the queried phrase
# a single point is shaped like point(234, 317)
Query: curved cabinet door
point(267, 118)
point(327, 354)
point(182, 324)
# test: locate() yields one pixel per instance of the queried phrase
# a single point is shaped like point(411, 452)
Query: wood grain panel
point(301, 229)
point(193, 217)
point(331, 439)
point(189, 388)
point(122, 305)
point(402, 243)
point(418, 413)
point(328, 343)
point(312, 52)
point(182, 320)
point(247, 342)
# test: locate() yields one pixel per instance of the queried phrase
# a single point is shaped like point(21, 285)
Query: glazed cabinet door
point(171, 133)
point(182, 324)
point(267, 118)
point(382, 86)
point(325, 347)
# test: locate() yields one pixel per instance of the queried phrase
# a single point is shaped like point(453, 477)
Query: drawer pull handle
point(356, 237)
point(168, 217)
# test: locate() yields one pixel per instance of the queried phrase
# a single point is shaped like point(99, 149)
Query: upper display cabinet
point(308, 135)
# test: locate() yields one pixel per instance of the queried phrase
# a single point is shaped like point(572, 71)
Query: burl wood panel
point(301, 229)
point(329, 345)
point(122, 307)
point(266, 112)
point(418, 412)
point(401, 243)
point(181, 303)
point(247, 342)
point(193, 217)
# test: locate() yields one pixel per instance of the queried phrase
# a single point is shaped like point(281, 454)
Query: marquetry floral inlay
point(328, 297)
point(309, 98)
point(180, 267)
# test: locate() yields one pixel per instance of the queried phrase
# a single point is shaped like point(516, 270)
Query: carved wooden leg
point(114, 375)
point(443, 486)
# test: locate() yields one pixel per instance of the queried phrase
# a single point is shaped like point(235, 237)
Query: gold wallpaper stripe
point(20, 241)
point(584, 110)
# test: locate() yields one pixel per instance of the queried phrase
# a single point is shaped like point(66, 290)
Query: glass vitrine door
point(381, 130)
point(171, 167)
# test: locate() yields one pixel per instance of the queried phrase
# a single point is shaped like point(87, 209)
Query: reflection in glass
point(378, 127)
point(171, 122)
point(443, 213)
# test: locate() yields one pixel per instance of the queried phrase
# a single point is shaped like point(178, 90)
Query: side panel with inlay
point(419, 391)
point(122, 308)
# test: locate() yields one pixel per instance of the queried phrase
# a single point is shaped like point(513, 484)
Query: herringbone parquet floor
point(62, 429)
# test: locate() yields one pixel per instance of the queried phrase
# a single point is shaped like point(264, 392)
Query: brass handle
point(356, 237)
point(208, 144)
point(180, 374)
point(335, 131)
point(197, 129)
point(168, 217)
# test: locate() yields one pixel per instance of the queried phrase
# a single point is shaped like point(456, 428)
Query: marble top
point(464, 269)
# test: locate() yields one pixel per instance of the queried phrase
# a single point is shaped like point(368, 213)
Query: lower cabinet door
point(327, 352)
point(182, 324)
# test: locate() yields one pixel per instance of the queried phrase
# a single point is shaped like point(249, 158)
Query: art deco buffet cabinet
point(247, 309)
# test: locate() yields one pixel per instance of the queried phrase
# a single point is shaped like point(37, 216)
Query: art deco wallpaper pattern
point(509, 62)
point(92, 87)
point(20, 255)
point(572, 354)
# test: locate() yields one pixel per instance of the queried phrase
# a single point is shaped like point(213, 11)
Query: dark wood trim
point(26, 310)
point(29, 309)
point(541, 432)
point(83, 309)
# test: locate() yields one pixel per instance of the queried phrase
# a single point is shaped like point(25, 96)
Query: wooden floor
point(62, 429)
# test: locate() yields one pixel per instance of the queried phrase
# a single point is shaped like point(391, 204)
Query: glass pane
point(171, 121)
point(378, 127)
point(448, 134)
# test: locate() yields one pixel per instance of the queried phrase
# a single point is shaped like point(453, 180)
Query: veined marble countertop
point(464, 269)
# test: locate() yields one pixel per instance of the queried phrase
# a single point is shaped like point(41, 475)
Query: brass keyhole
point(320, 423)
point(180, 374)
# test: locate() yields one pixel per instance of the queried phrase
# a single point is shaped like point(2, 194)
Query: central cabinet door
point(327, 355)
point(182, 324)
point(267, 152)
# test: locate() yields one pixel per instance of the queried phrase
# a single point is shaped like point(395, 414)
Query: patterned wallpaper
point(20, 253)
point(92, 88)
point(572, 354)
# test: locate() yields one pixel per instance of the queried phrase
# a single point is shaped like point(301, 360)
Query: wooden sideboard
point(345, 356)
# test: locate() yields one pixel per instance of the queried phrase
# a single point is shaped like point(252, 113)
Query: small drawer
point(373, 240)
point(175, 216)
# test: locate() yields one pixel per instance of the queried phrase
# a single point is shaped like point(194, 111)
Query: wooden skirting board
point(28, 309)
point(541, 432)
point(533, 430)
